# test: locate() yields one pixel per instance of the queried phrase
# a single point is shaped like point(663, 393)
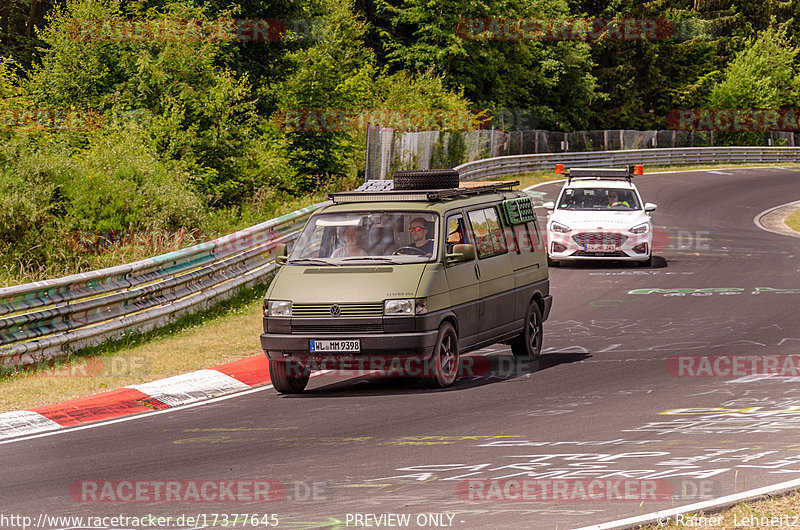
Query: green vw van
point(410, 276)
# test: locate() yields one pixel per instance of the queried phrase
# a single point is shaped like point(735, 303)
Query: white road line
point(720, 502)
point(788, 231)
point(147, 414)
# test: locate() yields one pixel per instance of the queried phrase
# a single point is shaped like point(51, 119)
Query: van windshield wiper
point(313, 260)
point(369, 258)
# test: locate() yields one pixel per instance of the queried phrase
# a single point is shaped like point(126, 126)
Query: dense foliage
point(189, 137)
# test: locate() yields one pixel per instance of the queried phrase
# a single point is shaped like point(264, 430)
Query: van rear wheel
point(288, 377)
point(529, 342)
point(445, 357)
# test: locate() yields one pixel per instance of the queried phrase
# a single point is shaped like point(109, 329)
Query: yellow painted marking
point(213, 440)
point(720, 410)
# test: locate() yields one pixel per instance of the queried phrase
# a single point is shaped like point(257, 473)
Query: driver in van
point(419, 236)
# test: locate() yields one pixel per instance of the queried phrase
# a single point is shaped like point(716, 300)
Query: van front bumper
point(417, 344)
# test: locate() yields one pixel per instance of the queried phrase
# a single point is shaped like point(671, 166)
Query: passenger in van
point(419, 236)
point(353, 235)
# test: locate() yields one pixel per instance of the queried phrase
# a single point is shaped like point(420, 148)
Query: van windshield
point(357, 238)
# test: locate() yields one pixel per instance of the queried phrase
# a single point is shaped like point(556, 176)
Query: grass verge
point(224, 333)
point(770, 512)
point(793, 220)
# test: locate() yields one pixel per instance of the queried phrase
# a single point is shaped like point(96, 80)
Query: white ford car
point(599, 215)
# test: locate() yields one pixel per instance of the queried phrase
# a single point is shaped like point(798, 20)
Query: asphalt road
point(607, 401)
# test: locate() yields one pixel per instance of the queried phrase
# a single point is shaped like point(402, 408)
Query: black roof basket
point(383, 190)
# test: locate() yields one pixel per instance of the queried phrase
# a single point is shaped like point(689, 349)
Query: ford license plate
point(342, 345)
point(600, 248)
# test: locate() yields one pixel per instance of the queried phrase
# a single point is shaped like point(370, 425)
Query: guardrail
point(43, 320)
point(510, 165)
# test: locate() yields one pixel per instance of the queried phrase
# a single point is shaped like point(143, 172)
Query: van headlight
point(558, 227)
point(277, 308)
point(640, 229)
point(406, 306)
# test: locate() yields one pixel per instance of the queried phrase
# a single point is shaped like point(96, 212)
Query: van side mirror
point(461, 253)
point(649, 207)
point(281, 254)
point(549, 205)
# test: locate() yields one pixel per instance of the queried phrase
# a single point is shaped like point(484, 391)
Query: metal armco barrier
point(511, 165)
point(43, 320)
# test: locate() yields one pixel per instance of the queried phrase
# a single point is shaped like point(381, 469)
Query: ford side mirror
point(549, 205)
point(280, 253)
point(649, 207)
point(461, 253)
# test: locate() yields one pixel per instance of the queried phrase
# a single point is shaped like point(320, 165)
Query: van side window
point(527, 236)
point(456, 232)
point(524, 238)
point(489, 238)
point(533, 230)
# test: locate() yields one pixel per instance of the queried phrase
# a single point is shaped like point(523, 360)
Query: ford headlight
point(640, 229)
point(277, 308)
point(407, 306)
point(558, 227)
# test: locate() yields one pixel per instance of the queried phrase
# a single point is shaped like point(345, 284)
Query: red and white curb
point(162, 394)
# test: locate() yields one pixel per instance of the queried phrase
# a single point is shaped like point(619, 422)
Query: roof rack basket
point(383, 190)
point(601, 173)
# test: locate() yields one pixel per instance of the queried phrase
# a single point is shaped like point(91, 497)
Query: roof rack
point(600, 173)
point(383, 190)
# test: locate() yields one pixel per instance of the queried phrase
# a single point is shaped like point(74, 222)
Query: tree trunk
point(31, 18)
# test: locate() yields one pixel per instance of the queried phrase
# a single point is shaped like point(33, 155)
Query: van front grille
point(298, 327)
point(348, 309)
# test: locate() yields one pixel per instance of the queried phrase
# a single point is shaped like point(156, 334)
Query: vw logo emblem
point(336, 310)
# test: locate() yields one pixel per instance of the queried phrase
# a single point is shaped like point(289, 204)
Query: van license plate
point(601, 248)
point(335, 345)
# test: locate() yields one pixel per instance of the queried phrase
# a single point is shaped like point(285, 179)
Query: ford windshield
point(619, 199)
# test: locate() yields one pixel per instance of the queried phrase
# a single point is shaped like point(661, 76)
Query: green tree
point(552, 79)
point(761, 76)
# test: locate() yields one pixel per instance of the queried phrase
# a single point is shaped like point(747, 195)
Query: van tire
point(287, 383)
point(426, 179)
point(445, 357)
point(529, 342)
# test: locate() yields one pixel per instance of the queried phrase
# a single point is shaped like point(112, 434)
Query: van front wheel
point(445, 357)
point(529, 342)
point(288, 377)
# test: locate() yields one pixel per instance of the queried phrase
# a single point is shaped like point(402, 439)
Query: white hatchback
point(599, 215)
